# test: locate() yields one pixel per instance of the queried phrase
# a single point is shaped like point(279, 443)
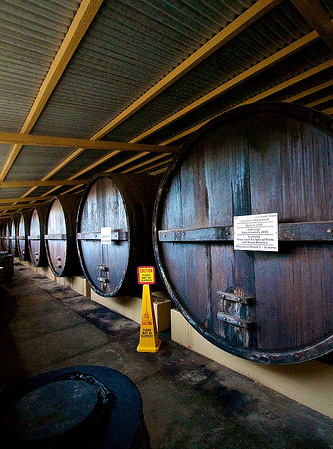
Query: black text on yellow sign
point(146, 275)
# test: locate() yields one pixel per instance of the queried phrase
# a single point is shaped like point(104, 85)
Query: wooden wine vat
point(13, 225)
point(255, 161)
point(36, 236)
point(60, 242)
point(114, 231)
point(5, 238)
point(22, 237)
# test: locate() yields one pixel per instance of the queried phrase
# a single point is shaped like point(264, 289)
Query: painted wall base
point(309, 383)
point(130, 307)
point(77, 283)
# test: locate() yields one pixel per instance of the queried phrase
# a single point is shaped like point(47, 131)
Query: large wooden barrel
point(2, 234)
point(22, 235)
point(5, 236)
point(114, 231)
point(13, 225)
point(60, 231)
point(36, 236)
point(252, 163)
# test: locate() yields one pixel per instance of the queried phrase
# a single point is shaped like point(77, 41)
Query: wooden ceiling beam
point(166, 161)
point(65, 182)
point(319, 101)
point(328, 111)
point(255, 12)
point(64, 142)
point(310, 91)
point(83, 18)
point(318, 19)
point(234, 82)
point(20, 206)
point(24, 200)
point(145, 163)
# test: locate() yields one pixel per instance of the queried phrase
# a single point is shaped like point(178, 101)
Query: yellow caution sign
point(149, 341)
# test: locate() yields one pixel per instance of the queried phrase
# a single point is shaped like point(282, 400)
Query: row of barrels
point(104, 233)
point(268, 158)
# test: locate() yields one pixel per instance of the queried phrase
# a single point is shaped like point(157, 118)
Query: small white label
point(256, 232)
point(106, 235)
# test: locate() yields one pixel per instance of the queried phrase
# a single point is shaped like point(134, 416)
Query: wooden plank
point(318, 19)
point(320, 101)
point(65, 182)
point(310, 91)
point(24, 200)
point(69, 142)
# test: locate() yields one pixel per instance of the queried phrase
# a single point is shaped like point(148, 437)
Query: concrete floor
point(189, 401)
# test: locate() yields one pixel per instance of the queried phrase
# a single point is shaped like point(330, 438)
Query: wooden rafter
point(19, 206)
point(56, 182)
point(310, 91)
point(83, 18)
point(149, 161)
point(319, 101)
point(166, 161)
point(64, 142)
point(23, 200)
point(317, 18)
point(328, 111)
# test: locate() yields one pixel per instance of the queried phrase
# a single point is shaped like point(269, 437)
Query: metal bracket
point(226, 296)
point(104, 276)
point(240, 322)
point(237, 317)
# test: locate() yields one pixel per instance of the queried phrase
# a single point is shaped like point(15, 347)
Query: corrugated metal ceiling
point(132, 72)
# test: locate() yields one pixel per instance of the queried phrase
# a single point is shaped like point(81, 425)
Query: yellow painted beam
point(234, 82)
point(66, 182)
point(154, 166)
point(328, 111)
point(64, 142)
point(310, 91)
point(160, 171)
point(83, 18)
point(144, 163)
point(260, 97)
point(320, 101)
point(20, 200)
point(255, 12)
point(317, 18)
point(20, 206)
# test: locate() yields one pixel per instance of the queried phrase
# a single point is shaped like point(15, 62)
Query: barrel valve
point(104, 276)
